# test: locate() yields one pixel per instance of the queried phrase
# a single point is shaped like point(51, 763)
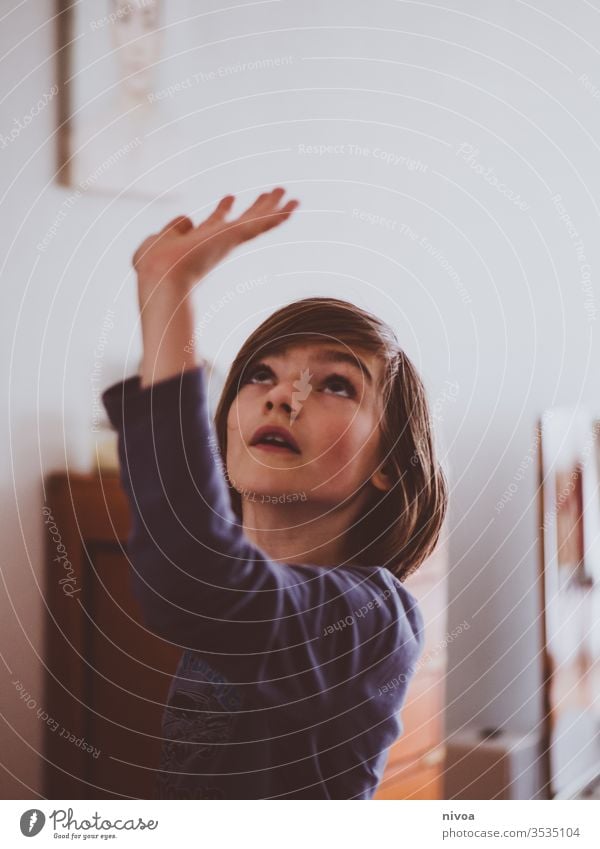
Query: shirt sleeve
point(204, 585)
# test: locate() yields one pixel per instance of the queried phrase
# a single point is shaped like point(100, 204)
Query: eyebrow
point(332, 355)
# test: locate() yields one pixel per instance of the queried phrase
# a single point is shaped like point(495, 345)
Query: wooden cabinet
point(421, 778)
point(107, 676)
point(415, 765)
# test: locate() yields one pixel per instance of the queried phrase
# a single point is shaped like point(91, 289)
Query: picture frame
point(117, 136)
point(569, 512)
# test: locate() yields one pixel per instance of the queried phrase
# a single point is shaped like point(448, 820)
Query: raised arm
point(170, 263)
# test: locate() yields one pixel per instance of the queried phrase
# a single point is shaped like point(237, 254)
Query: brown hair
point(402, 525)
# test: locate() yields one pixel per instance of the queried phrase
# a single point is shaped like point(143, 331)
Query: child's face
point(332, 411)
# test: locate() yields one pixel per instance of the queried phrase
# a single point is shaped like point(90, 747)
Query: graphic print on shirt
point(197, 723)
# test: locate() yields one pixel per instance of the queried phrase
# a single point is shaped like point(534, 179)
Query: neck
point(302, 532)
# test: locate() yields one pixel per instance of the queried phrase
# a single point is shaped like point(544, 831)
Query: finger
point(222, 209)
point(273, 211)
point(279, 215)
point(180, 224)
point(255, 206)
point(263, 201)
point(261, 222)
point(272, 198)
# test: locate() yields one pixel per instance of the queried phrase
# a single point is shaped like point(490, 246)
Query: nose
point(280, 396)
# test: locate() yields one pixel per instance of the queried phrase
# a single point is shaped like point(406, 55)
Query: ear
point(381, 478)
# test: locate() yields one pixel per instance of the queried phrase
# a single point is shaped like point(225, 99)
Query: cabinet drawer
point(416, 779)
point(422, 715)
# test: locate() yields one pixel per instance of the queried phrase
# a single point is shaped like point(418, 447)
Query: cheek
point(234, 422)
point(235, 417)
point(238, 433)
point(351, 443)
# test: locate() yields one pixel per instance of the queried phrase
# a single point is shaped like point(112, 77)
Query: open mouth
point(275, 439)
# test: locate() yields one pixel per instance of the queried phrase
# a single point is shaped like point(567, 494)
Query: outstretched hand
point(183, 253)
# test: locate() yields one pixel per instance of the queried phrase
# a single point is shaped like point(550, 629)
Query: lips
point(275, 437)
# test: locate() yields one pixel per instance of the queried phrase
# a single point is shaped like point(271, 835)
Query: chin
point(263, 484)
point(267, 485)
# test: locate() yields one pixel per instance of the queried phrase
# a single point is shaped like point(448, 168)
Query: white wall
point(513, 328)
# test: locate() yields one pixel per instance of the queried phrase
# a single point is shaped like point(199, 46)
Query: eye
point(257, 373)
point(339, 382)
point(334, 384)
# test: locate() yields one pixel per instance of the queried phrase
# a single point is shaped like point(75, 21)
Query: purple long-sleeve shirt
point(291, 677)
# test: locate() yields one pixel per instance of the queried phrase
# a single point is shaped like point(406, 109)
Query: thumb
point(181, 224)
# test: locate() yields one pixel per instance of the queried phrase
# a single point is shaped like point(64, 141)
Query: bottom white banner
point(291, 823)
